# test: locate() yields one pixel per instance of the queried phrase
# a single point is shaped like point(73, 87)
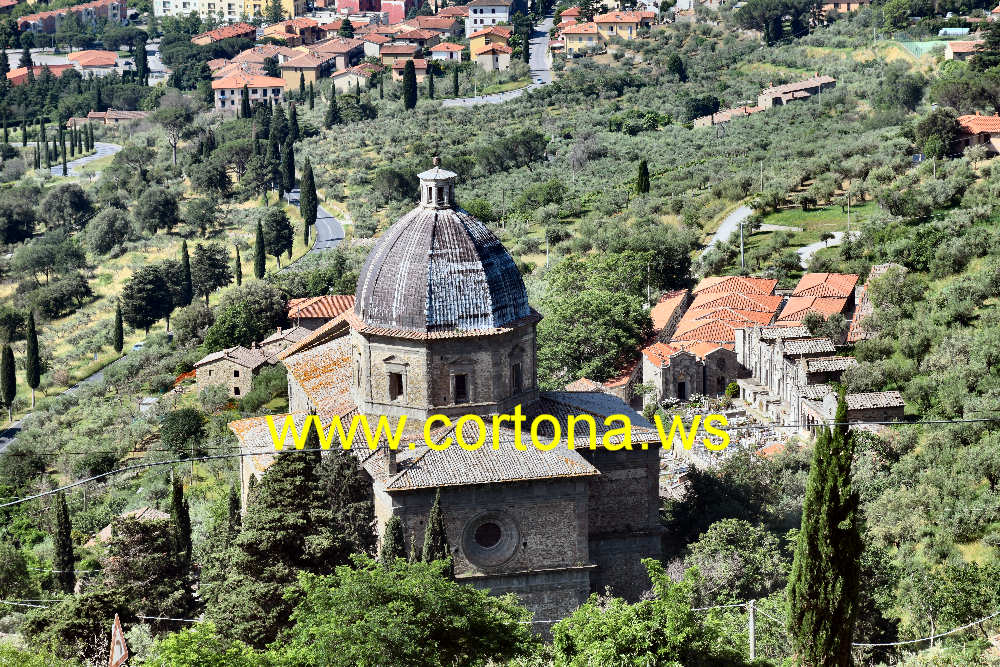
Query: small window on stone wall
point(487, 535)
point(516, 379)
point(461, 388)
point(395, 386)
point(236, 373)
point(236, 391)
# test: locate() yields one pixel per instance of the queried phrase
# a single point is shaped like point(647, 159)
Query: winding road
point(101, 149)
point(728, 226)
point(329, 230)
point(538, 64)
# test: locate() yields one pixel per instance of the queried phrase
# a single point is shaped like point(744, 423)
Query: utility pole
point(848, 210)
point(762, 178)
point(753, 631)
point(647, 281)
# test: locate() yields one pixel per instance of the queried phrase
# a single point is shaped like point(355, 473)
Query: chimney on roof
point(279, 330)
point(392, 463)
point(977, 112)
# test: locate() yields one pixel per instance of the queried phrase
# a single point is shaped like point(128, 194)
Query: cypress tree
point(180, 516)
point(8, 381)
point(312, 97)
point(409, 86)
point(64, 559)
point(72, 143)
point(309, 204)
point(245, 103)
point(91, 133)
point(305, 234)
point(38, 159)
point(288, 165)
point(302, 83)
point(6, 136)
point(65, 169)
point(238, 268)
point(118, 335)
point(435, 537)
point(24, 132)
point(273, 159)
point(642, 181)
point(392, 542)
point(259, 256)
point(32, 363)
point(293, 124)
point(187, 287)
point(454, 81)
point(235, 519)
point(823, 587)
point(381, 89)
point(332, 112)
point(430, 85)
point(357, 92)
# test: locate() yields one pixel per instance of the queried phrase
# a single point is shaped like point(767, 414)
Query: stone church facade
point(441, 325)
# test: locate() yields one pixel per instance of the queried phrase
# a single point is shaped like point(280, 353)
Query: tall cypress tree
point(245, 103)
point(308, 203)
point(435, 537)
point(64, 559)
point(6, 135)
point(409, 85)
point(24, 132)
point(273, 160)
point(32, 363)
point(454, 81)
point(118, 335)
point(305, 234)
point(302, 84)
point(293, 124)
point(65, 169)
point(235, 519)
point(38, 159)
point(312, 97)
point(187, 287)
point(8, 381)
point(823, 587)
point(238, 267)
point(288, 165)
point(393, 546)
point(259, 254)
point(430, 85)
point(180, 516)
point(381, 88)
point(332, 111)
point(642, 180)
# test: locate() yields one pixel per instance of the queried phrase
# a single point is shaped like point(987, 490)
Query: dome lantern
point(437, 187)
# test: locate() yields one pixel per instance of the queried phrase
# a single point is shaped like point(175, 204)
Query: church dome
point(439, 269)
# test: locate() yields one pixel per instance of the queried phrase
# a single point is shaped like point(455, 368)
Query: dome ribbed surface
point(440, 270)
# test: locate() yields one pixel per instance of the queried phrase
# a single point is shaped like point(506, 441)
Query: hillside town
point(499, 332)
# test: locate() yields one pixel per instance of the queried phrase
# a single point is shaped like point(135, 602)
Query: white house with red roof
point(447, 51)
point(978, 130)
point(228, 90)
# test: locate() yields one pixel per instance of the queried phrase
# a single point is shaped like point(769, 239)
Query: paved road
point(728, 226)
point(806, 252)
point(102, 150)
point(538, 63)
point(328, 229)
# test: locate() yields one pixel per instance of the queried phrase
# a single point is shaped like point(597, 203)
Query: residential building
point(623, 25)
point(20, 75)
point(725, 116)
point(282, 339)
point(313, 312)
point(457, 12)
point(346, 80)
point(7, 6)
point(257, 55)
point(89, 13)
point(484, 13)
point(373, 44)
point(229, 90)
point(300, 31)
point(447, 51)
point(494, 57)
point(419, 68)
point(777, 95)
point(846, 6)
point(289, 8)
point(442, 325)
point(581, 37)
point(115, 116)
point(959, 50)
point(422, 38)
point(229, 68)
point(347, 51)
point(235, 31)
point(443, 25)
point(93, 60)
point(393, 52)
point(307, 68)
point(228, 11)
point(233, 368)
point(571, 14)
point(487, 36)
point(396, 10)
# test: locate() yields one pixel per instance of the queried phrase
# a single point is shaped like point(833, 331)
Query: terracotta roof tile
point(239, 80)
point(736, 285)
point(447, 46)
point(328, 306)
point(581, 29)
point(229, 31)
point(797, 307)
point(666, 307)
point(826, 284)
point(975, 124)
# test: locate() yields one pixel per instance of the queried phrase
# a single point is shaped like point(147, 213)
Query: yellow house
point(291, 8)
point(310, 67)
point(495, 34)
point(582, 36)
point(624, 25)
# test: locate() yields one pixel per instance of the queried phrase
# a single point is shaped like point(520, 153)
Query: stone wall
point(235, 378)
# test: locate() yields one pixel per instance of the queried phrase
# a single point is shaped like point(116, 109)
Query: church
point(441, 324)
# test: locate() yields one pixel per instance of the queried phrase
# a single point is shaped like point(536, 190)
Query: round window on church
point(491, 539)
point(488, 535)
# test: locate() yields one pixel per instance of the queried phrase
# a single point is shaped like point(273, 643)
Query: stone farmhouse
point(441, 323)
point(234, 368)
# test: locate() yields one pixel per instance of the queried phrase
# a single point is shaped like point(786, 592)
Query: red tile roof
point(826, 284)
point(624, 17)
point(581, 29)
point(975, 123)
point(496, 30)
point(493, 49)
point(447, 46)
point(19, 75)
point(965, 47)
point(752, 302)
point(228, 31)
point(94, 58)
point(737, 285)
point(665, 308)
point(337, 45)
point(328, 306)
point(797, 307)
point(418, 64)
point(376, 38)
point(417, 34)
point(460, 11)
point(250, 80)
point(572, 11)
point(399, 49)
